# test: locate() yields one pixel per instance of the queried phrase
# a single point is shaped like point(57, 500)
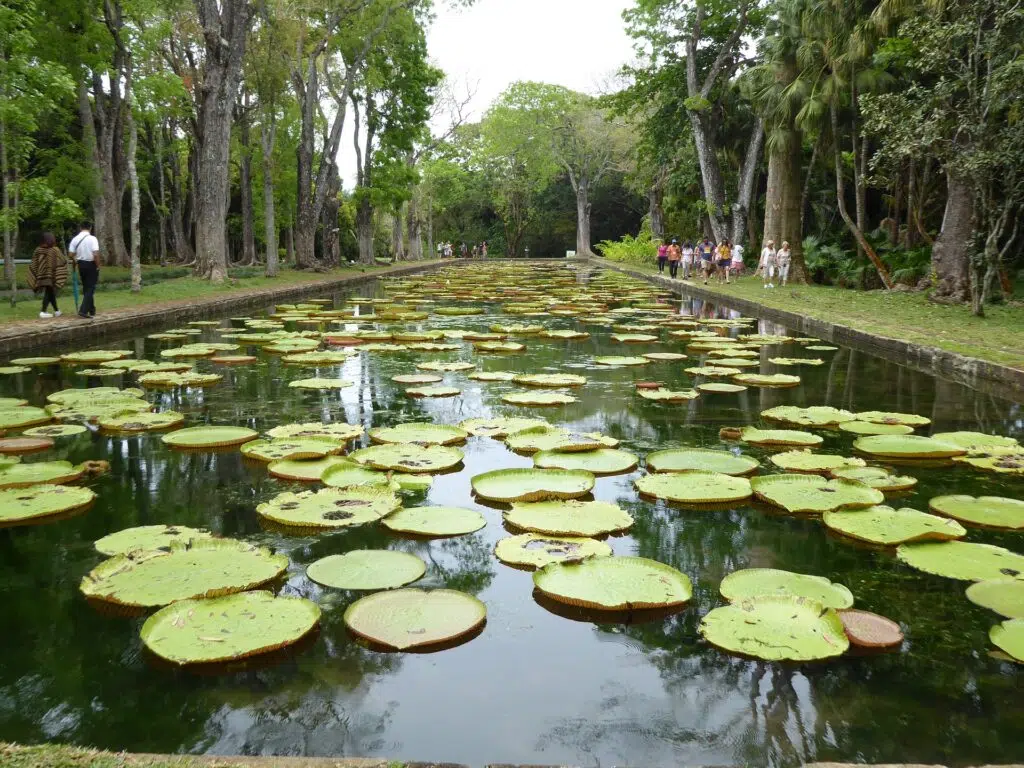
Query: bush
point(642, 249)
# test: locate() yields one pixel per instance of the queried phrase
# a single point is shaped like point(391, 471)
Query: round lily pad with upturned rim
point(876, 477)
point(720, 388)
point(615, 584)
point(330, 508)
point(813, 463)
point(963, 560)
point(978, 441)
point(408, 457)
point(871, 428)
point(603, 461)
point(907, 447)
point(695, 486)
point(203, 568)
point(228, 628)
point(337, 431)
point(1009, 638)
point(996, 461)
point(894, 417)
point(11, 402)
point(538, 398)
point(11, 370)
point(93, 356)
point(565, 335)
point(367, 569)
point(195, 438)
point(321, 383)
point(435, 365)
point(23, 416)
point(569, 517)
point(503, 376)
point(422, 433)
point(810, 493)
point(52, 472)
point(684, 459)
point(779, 628)
point(664, 357)
point(56, 430)
point(148, 537)
point(436, 391)
point(869, 630)
point(415, 619)
point(668, 395)
point(33, 361)
point(35, 503)
point(417, 378)
point(552, 380)
point(712, 371)
point(10, 446)
point(435, 521)
point(142, 421)
point(988, 511)
point(814, 416)
point(889, 527)
point(507, 485)
point(498, 346)
point(291, 449)
point(233, 359)
point(1004, 596)
point(307, 471)
point(534, 550)
point(755, 583)
point(500, 426)
point(767, 380)
point(549, 438)
point(616, 360)
point(772, 437)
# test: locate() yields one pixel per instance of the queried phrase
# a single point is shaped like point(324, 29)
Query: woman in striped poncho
point(48, 273)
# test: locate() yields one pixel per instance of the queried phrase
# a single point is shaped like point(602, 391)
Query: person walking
point(662, 257)
point(723, 260)
point(675, 253)
point(48, 273)
point(687, 259)
point(766, 266)
point(783, 258)
point(483, 250)
point(85, 250)
point(707, 258)
point(737, 259)
point(464, 250)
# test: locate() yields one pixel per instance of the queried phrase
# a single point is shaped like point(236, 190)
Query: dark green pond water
point(534, 687)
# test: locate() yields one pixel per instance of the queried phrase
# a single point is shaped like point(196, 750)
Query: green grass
point(998, 337)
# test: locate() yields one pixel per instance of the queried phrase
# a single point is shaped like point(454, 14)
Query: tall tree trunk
point(158, 139)
point(289, 246)
point(245, 189)
point(413, 228)
point(85, 116)
point(711, 173)
point(331, 231)
point(950, 264)
point(912, 238)
point(364, 230)
point(583, 209)
point(860, 193)
point(747, 183)
point(133, 180)
point(792, 209)
point(270, 236)
point(656, 206)
point(430, 227)
point(397, 245)
point(773, 196)
point(183, 252)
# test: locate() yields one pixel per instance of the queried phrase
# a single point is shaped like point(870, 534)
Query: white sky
point(579, 44)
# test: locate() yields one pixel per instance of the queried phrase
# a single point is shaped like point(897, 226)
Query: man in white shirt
point(85, 250)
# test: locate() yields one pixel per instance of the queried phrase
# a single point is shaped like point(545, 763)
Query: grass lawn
point(998, 337)
point(174, 289)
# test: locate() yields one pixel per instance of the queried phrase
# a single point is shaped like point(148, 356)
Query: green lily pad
point(889, 417)
point(548, 438)
point(668, 395)
point(53, 472)
point(11, 370)
point(290, 449)
point(33, 504)
point(720, 388)
point(569, 517)
point(790, 361)
point(713, 371)
point(695, 486)
point(56, 430)
point(815, 416)
point(23, 416)
point(996, 461)
point(780, 628)
point(34, 361)
point(321, 383)
point(330, 508)
point(417, 378)
point(498, 346)
point(422, 433)
point(437, 391)
point(11, 402)
point(367, 569)
point(776, 437)
point(664, 357)
point(966, 561)
point(821, 348)
point(144, 421)
point(188, 379)
point(228, 628)
point(978, 442)
point(332, 357)
point(500, 426)
point(634, 338)
point(339, 432)
point(1009, 637)
point(876, 477)
point(1004, 596)
point(99, 372)
point(507, 485)
point(889, 527)
point(203, 568)
point(907, 447)
point(309, 471)
point(684, 459)
point(550, 380)
point(618, 360)
point(492, 376)
point(195, 438)
point(871, 428)
point(603, 461)
point(93, 395)
point(755, 583)
point(767, 380)
point(988, 511)
point(408, 457)
point(816, 463)
point(615, 584)
point(412, 619)
point(146, 537)
point(435, 365)
point(93, 356)
point(435, 521)
point(809, 493)
point(538, 398)
point(565, 335)
point(94, 411)
point(533, 550)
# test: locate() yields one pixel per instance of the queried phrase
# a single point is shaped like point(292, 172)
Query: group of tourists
point(446, 250)
point(722, 261)
point(48, 271)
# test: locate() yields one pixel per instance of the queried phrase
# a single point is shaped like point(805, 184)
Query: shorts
point(708, 265)
point(782, 271)
point(768, 271)
point(737, 266)
point(724, 263)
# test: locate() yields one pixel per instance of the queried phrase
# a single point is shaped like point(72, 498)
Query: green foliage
point(641, 249)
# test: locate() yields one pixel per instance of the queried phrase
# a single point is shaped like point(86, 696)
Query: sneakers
point(45, 314)
point(57, 313)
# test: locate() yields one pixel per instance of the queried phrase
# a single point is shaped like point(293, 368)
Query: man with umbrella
point(85, 251)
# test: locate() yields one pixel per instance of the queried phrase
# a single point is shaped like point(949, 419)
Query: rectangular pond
point(540, 684)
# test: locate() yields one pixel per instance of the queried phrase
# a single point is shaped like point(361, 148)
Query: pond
point(539, 684)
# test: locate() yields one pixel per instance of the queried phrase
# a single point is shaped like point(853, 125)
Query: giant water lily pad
point(664, 357)
point(146, 537)
point(876, 477)
point(367, 569)
point(808, 493)
point(872, 428)
point(603, 461)
point(869, 630)
point(418, 378)
point(548, 438)
point(772, 437)
point(435, 365)
point(816, 463)
point(321, 383)
point(435, 521)
point(889, 527)
point(780, 628)
point(498, 346)
point(550, 380)
point(56, 430)
point(684, 459)
point(337, 431)
point(979, 442)
point(616, 360)
point(330, 508)
point(290, 448)
point(720, 388)
point(508, 485)
point(33, 504)
point(767, 380)
point(23, 416)
point(228, 628)
point(344, 473)
point(435, 391)
point(500, 426)
point(988, 511)
point(695, 486)
point(668, 395)
point(996, 461)
point(538, 398)
point(615, 584)
point(569, 517)
point(565, 335)
point(713, 371)
point(963, 560)
point(1009, 637)
point(81, 410)
point(907, 447)
point(308, 471)
point(34, 361)
point(170, 380)
point(10, 446)
point(204, 568)
point(54, 472)
point(94, 356)
point(11, 402)
point(815, 416)
point(422, 433)
point(144, 421)
point(754, 583)
point(197, 438)
point(491, 376)
point(534, 550)
point(1004, 596)
point(411, 619)
point(408, 457)
point(890, 417)
point(11, 370)
point(334, 357)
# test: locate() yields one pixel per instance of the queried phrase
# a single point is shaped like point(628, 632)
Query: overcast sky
point(580, 44)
